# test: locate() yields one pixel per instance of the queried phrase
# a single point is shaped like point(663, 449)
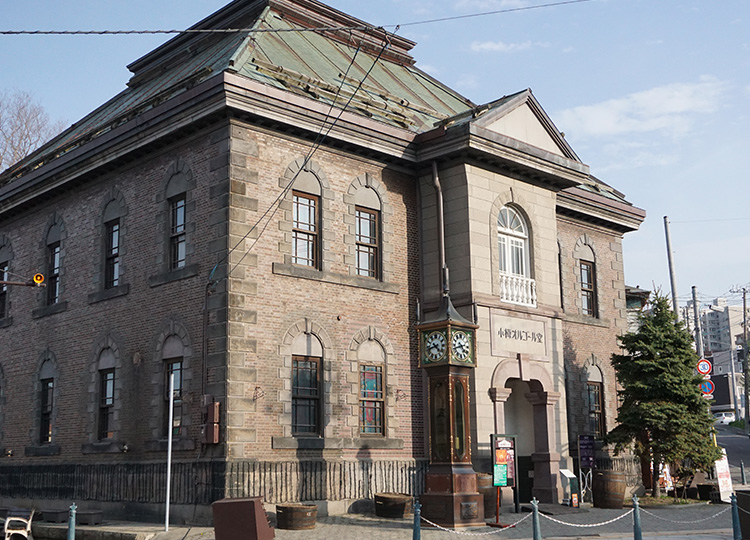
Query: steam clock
point(448, 354)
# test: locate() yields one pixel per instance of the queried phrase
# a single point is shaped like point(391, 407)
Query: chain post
point(417, 531)
point(535, 519)
point(637, 533)
point(742, 472)
point(735, 518)
point(72, 522)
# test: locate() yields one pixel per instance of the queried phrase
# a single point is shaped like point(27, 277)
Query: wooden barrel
point(489, 492)
point(296, 516)
point(393, 505)
point(608, 489)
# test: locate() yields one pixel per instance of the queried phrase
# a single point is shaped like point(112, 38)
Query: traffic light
point(38, 279)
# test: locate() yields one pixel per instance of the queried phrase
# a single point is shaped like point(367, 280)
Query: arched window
point(513, 258)
point(595, 390)
point(307, 367)
point(513, 243)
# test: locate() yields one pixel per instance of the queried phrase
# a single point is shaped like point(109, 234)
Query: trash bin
point(241, 519)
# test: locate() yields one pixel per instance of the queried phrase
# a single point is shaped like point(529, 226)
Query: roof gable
point(521, 117)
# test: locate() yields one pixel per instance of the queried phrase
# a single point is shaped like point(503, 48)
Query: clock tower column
point(447, 352)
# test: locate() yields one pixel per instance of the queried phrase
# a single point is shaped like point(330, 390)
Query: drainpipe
point(441, 231)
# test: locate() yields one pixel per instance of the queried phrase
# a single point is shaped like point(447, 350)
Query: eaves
point(65, 171)
point(504, 154)
point(592, 208)
point(225, 93)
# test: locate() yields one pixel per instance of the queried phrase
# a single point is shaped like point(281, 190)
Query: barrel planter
point(608, 489)
point(489, 492)
point(296, 516)
point(393, 505)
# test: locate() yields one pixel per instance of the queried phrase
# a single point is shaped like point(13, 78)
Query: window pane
point(517, 257)
point(305, 229)
point(174, 367)
point(502, 248)
point(305, 395)
point(4, 290)
point(371, 404)
point(45, 421)
point(53, 273)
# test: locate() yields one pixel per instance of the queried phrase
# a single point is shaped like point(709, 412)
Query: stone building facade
point(200, 226)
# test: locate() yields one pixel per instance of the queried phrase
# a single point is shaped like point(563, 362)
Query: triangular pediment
point(520, 117)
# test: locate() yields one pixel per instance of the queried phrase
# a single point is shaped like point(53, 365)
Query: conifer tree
point(662, 412)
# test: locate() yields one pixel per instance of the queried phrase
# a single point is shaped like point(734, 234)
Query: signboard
point(503, 461)
point(725, 478)
point(586, 451)
point(707, 387)
point(510, 334)
point(704, 366)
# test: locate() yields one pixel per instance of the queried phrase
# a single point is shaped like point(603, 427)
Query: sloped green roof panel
point(309, 63)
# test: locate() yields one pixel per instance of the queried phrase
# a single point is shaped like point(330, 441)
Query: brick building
point(252, 218)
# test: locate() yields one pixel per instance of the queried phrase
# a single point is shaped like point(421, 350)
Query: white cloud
point(669, 109)
point(499, 46)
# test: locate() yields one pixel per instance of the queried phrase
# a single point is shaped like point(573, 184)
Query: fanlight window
point(512, 237)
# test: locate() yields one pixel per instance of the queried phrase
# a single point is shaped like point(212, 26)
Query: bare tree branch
point(24, 127)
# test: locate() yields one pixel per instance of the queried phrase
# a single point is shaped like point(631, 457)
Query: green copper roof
point(303, 62)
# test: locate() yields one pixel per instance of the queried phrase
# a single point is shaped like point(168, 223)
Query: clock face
point(461, 345)
point(435, 345)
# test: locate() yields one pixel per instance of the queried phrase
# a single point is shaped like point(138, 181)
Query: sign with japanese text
point(514, 335)
point(503, 460)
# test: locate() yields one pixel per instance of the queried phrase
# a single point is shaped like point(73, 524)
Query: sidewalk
point(689, 522)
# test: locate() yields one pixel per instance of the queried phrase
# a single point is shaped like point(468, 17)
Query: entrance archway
point(524, 406)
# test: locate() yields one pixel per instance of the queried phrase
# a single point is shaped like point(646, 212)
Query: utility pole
point(698, 333)
point(747, 361)
point(670, 262)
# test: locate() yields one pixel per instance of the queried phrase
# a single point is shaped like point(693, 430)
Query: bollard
point(735, 519)
point(535, 519)
point(637, 534)
point(417, 532)
point(742, 472)
point(72, 522)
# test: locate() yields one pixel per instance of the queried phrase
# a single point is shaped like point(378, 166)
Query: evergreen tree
point(662, 412)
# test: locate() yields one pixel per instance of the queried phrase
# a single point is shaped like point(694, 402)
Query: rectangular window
point(596, 411)
point(106, 403)
point(371, 403)
point(305, 229)
point(305, 395)
point(53, 273)
point(112, 255)
point(368, 244)
point(588, 289)
point(517, 255)
point(174, 366)
point(177, 242)
point(45, 420)
point(4, 276)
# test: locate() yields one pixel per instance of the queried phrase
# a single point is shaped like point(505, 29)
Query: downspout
point(444, 285)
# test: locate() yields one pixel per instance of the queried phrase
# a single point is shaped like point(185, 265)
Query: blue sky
point(654, 96)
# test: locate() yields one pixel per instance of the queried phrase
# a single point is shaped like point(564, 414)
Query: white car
point(723, 418)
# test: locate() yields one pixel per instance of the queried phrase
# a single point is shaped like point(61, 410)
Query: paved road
point(738, 449)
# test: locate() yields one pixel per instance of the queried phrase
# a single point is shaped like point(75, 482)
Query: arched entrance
point(524, 406)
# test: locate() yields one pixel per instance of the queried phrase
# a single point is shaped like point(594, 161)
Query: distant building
point(720, 323)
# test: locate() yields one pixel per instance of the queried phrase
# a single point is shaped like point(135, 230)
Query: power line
point(316, 144)
point(278, 30)
point(496, 12)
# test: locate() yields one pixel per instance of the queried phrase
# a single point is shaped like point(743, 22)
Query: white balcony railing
point(518, 290)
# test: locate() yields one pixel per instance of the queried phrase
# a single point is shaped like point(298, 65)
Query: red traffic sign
point(704, 366)
point(707, 387)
